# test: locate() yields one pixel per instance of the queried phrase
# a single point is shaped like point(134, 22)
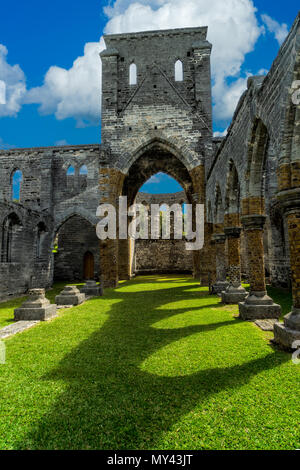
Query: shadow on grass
point(112, 403)
point(8, 307)
point(283, 298)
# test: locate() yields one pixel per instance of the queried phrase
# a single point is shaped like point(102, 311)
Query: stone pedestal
point(258, 305)
point(234, 293)
point(287, 333)
point(36, 307)
point(219, 287)
point(221, 283)
point(92, 289)
point(70, 296)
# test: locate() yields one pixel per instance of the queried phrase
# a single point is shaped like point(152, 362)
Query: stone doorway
point(88, 265)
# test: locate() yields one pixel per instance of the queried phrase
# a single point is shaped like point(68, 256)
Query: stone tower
point(156, 116)
point(156, 104)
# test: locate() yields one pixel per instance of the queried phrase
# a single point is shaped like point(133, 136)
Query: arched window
point(71, 171)
point(178, 71)
point(83, 170)
point(83, 173)
point(70, 177)
point(41, 232)
point(16, 181)
point(132, 74)
point(8, 233)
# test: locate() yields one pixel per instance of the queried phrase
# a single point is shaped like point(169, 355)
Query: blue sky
point(44, 41)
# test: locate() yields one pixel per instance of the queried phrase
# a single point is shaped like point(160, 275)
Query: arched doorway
point(156, 159)
point(167, 254)
point(88, 265)
point(75, 238)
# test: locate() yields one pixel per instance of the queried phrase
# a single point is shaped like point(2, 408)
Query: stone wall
point(157, 107)
point(48, 198)
point(255, 145)
point(25, 260)
point(76, 238)
point(162, 256)
point(159, 124)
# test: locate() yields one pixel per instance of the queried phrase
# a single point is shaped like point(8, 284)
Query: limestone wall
point(163, 256)
point(48, 199)
point(265, 103)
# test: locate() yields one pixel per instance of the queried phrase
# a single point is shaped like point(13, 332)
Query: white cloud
point(60, 143)
point(227, 97)
point(232, 29)
point(15, 85)
point(155, 179)
point(263, 72)
point(280, 31)
point(221, 134)
point(73, 93)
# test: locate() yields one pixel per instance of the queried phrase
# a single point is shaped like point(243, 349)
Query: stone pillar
point(234, 293)
point(258, 305)
point(124, 260)
point(221, 283)
point(212, 265)
point(207, 271)
point(110, 187)
point(201, 257)
point(109, 262)
point(288, 333)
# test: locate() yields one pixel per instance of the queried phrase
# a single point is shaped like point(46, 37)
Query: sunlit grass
point(155, 364)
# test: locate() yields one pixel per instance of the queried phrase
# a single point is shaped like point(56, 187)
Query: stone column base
point(92, 289)
point(259, 306)
point(288, 332)
point(219, 287)
point(70, 296)
point(36, 307)
point(234, 295)
point(284, 336)
point(35, 314)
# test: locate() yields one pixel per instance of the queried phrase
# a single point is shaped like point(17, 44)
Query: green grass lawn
point(155, 364)
point(7, 308)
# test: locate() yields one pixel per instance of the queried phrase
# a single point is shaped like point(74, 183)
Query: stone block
point(259, 312)
point(92, 289)
point(36, 307)
point(285, 336)
point(234, 295)
point(259, 306)
point(219, 287)
point(70, 296)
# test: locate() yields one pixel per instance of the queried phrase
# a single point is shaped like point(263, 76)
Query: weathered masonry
point(163, 256)
point(157, 117)
point(154, 119)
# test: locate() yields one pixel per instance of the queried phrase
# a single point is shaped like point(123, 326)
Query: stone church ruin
point(157, 117)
